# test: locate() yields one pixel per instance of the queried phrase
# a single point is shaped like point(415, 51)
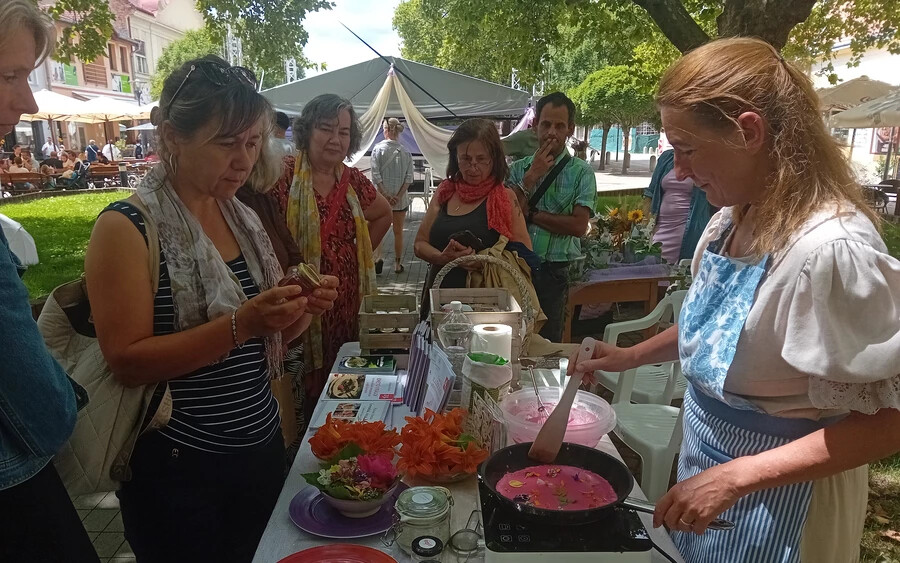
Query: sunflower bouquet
point(434, 446)
point(619, 234)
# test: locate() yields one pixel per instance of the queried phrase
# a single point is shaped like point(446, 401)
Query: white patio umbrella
point(55, 106)
point(143, 127)
point(106, 109)
point(852, 93)
point(20, 242)
point(882, 112)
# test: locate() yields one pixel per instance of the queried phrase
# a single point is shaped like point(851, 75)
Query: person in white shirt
point(392, 173)
point(48, 147)
point(111, 151)
point(282, 124)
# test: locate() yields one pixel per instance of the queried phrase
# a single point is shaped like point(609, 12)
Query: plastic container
point(591, 417)
point(455, 334)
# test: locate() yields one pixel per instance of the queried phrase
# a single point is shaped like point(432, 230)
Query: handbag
point(95, 458)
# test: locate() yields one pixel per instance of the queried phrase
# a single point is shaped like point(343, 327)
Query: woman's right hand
point(269, 312)
point(454, 250)
point(606, 357)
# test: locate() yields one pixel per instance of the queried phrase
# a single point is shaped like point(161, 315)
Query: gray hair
point(235, 107)
point(268, 167)
point(325, 107)
point(16, 14)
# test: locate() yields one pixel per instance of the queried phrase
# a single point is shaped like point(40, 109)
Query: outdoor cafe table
point(617, 284)
point(282, 538)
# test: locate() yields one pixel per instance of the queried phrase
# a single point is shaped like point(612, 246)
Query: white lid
point(456, 306)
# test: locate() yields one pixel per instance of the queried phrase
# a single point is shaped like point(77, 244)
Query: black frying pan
point(514, 458)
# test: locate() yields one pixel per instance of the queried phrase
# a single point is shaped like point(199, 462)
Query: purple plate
point(310, 513)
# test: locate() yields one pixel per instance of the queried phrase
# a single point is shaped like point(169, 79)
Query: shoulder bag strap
point(152, 241)
point(548, 180)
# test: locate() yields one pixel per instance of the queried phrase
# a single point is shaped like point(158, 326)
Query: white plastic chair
point(651, 383)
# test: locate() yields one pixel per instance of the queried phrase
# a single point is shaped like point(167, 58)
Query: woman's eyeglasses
point(218, 75)
point(468, 162)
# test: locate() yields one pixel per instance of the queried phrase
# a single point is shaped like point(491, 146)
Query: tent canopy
point(852, 93)
point(54, 106)
point(882, 112)
point(360, 83)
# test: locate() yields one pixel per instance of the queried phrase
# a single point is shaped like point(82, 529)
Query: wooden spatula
point(549, 440)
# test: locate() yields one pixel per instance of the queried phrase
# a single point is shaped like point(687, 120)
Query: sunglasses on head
point(218, 74)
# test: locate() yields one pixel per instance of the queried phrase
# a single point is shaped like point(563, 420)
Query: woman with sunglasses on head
point(790, 333)
point(38, 523)
point(338, 219)
point(471, 207)
point(204, 485)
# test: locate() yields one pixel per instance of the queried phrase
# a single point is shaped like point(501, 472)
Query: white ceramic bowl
point(360, 508)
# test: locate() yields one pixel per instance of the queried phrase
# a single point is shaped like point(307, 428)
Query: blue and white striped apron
point(719, 427)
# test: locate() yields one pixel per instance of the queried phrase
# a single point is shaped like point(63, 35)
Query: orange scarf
point(499, 210)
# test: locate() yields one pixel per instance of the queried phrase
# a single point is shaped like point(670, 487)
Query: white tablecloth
point(282, 537)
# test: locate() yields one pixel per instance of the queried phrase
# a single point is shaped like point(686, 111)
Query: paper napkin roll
point(493, 338)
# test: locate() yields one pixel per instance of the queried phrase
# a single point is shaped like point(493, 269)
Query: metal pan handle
point(650, 508)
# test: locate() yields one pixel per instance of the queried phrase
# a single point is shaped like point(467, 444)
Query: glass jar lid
point(423, 502)
point(427, 546)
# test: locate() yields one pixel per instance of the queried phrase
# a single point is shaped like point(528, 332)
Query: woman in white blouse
point(790, 333)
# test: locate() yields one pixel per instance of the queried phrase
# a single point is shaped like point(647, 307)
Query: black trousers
point(38, 523)
point(184, 504)
point(552, 287)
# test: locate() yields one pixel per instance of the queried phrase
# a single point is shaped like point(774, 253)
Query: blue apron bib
point(719, 427)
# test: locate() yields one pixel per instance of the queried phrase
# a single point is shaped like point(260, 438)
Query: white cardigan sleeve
point(843, 327)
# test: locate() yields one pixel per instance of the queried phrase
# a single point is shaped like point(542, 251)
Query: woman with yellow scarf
point(337, 217)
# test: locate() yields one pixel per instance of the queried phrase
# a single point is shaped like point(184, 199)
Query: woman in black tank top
point(471, 209)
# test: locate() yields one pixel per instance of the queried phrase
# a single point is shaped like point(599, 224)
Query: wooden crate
point(510, 312)
point(372, 326)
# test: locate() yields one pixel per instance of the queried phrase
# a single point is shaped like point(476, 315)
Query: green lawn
point(61, 227)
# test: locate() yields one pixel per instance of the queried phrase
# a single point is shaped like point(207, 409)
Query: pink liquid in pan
point(557, 487)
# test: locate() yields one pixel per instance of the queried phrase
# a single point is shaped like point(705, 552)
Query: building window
point(123, 52)
point(140, 64)
point(94, 74)
point(112, 57)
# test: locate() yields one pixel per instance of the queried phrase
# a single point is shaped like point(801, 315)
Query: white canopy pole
point(370, 122)
point(432, 140)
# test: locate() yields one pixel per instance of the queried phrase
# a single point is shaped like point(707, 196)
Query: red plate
point(339, 553)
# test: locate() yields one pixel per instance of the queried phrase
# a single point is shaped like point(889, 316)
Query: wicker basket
point(512, 318)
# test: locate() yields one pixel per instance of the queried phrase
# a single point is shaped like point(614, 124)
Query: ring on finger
point(688, 524)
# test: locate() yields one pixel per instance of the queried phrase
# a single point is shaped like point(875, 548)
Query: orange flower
point(336, 434)
point(431, 446)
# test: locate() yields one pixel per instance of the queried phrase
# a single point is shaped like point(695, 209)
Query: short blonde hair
point(394, 126)
point(268, 167)
point(722, 79)
point(17, 14)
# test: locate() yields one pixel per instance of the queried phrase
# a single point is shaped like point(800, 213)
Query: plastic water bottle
point(455, 333)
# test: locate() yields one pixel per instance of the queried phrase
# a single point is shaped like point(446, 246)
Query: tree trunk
point(676, 23)
point(626, 159)
point(770, 20)
point(606, 127)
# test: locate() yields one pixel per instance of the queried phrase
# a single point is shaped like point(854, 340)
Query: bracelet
point(234, 337)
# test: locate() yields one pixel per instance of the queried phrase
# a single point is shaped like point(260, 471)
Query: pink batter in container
point(590, 419)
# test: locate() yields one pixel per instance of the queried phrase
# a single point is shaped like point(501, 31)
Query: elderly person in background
point(289, 389)
point(392, 173)
point(37, 400)
point(204, 485)
point(337, 218)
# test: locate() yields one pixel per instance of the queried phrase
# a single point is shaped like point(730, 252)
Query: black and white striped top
point(224, 407)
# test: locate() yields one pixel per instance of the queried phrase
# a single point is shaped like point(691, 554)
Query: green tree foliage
point(271, 31)
point(537, 37)
point(615, 94)
point(88, 27)
point(195, 43)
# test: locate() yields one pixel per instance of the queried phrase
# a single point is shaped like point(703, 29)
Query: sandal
point(399, 269)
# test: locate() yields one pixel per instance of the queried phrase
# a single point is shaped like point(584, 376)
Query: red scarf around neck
point(499, 209)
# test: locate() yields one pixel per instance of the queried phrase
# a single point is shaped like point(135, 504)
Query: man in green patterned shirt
point(559, 219)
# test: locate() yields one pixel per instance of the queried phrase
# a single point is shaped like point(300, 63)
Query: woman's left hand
point(692, 504)
point(322, 299)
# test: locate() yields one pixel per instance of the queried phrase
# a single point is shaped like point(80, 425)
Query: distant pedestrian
point(92, 151)
point(282, 124)
point(111, 151)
